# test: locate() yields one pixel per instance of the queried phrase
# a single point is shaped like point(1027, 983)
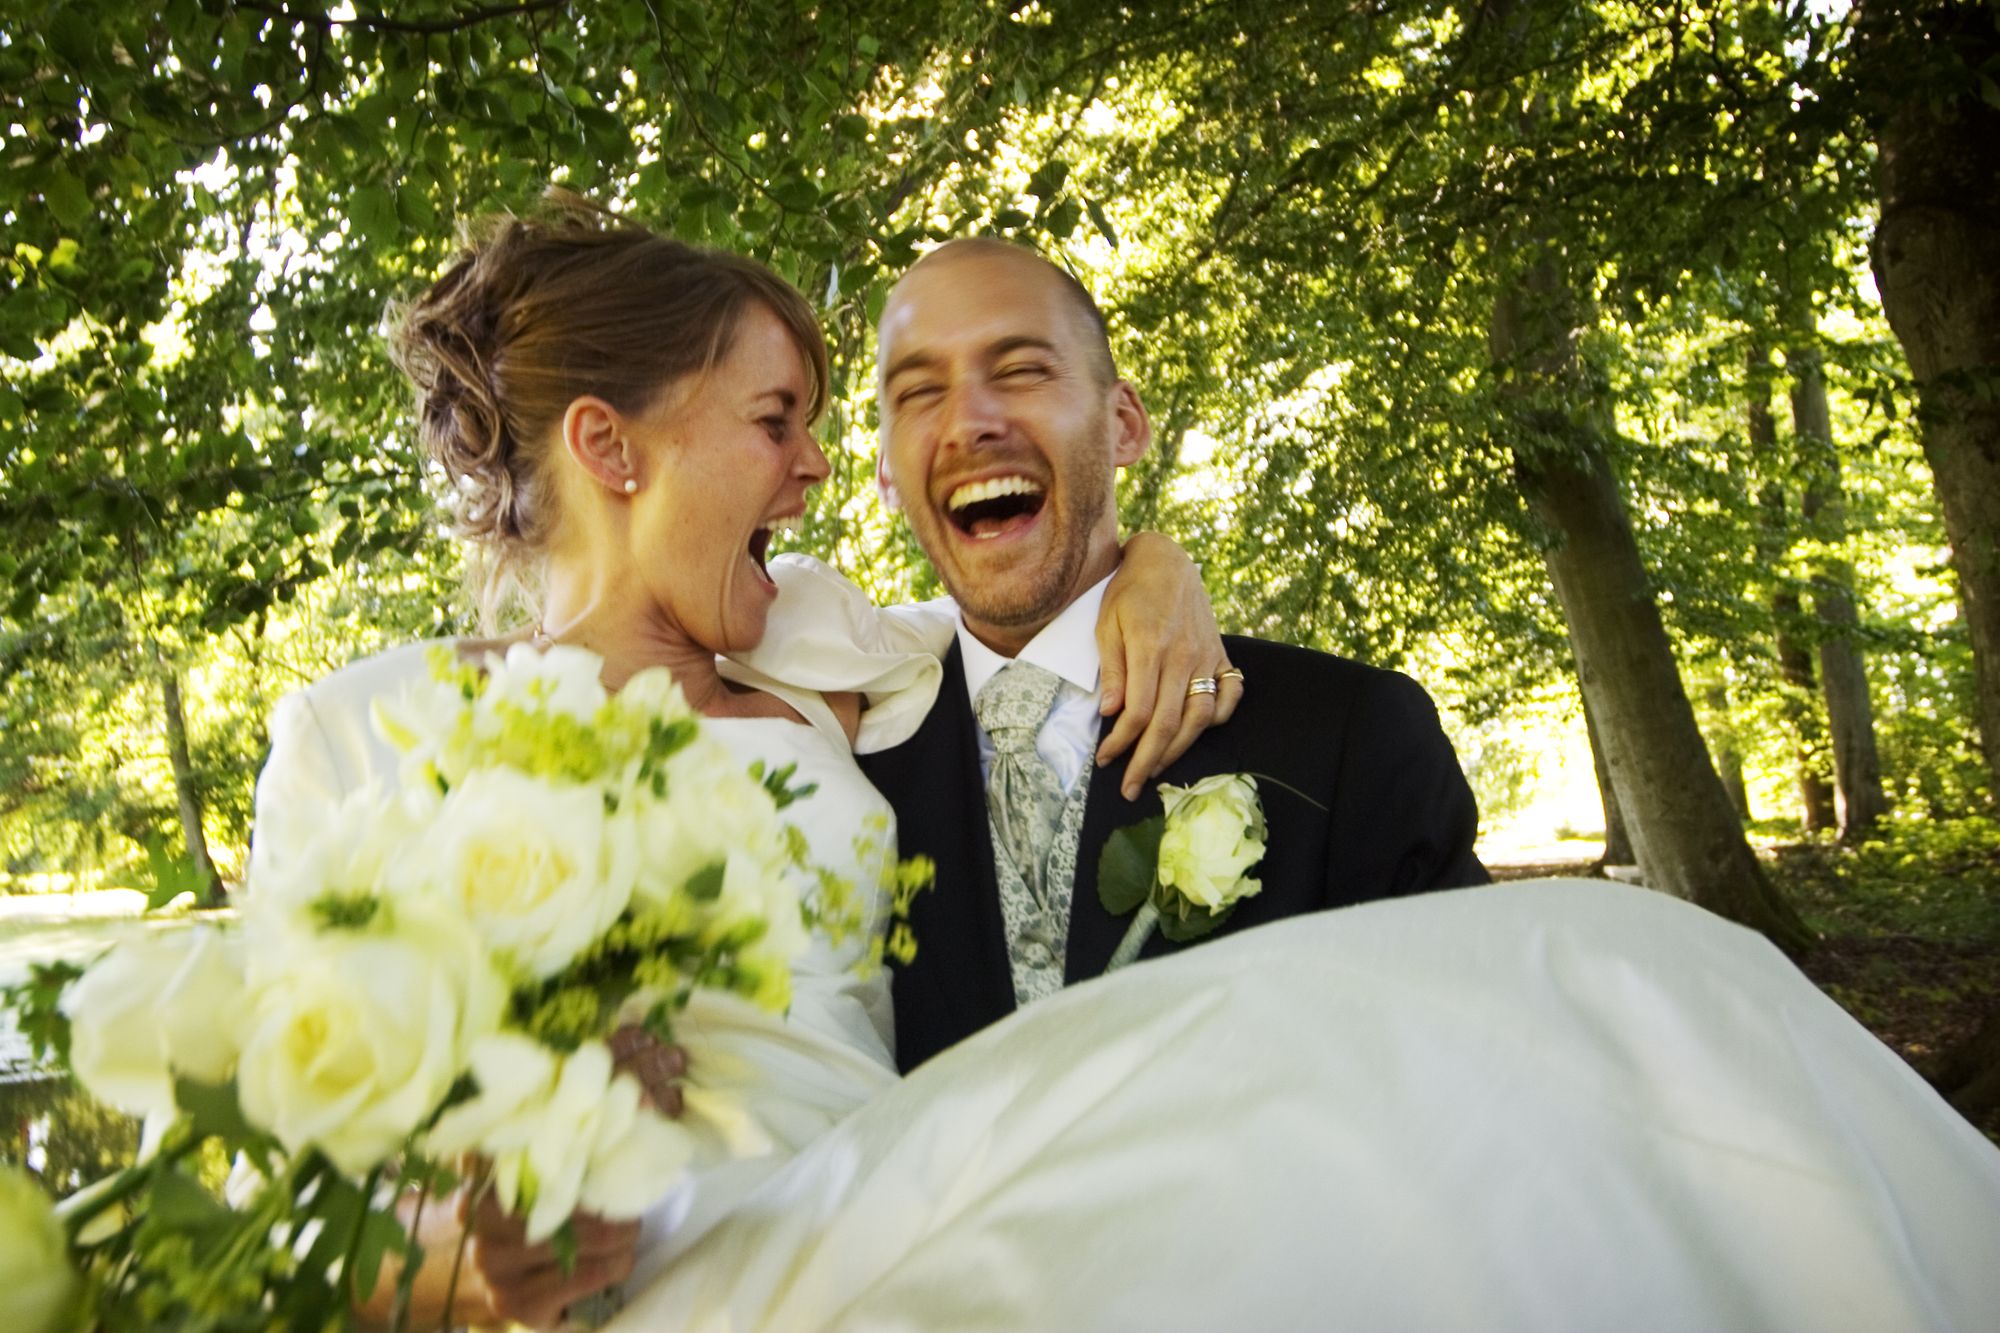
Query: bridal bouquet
point(422, 986)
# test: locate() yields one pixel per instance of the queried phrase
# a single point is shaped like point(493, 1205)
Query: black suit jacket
point(1362, 742)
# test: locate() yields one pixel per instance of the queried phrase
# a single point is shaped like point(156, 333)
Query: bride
point(1559, 1105)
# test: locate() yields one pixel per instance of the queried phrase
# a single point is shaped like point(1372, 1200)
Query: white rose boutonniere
point(1185, 869)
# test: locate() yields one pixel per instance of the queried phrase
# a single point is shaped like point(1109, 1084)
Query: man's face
point(1001, 436)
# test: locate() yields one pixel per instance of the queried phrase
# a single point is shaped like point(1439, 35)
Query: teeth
point(991, 489)
point(794, 523)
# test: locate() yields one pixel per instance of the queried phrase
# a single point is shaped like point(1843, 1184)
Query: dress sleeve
point(299, 781)
point(324, 748)
point(824, 636)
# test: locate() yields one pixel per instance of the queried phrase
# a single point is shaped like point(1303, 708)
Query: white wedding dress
point(1559, 1105)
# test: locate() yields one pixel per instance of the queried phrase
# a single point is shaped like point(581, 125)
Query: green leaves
point(171, 875)
point(214, 1111)
point(1184, 923)
point(37, 1006)
point(1101, 222)
point(67, 199)
point(1126, 867)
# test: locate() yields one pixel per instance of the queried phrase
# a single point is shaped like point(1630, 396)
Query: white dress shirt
point(1066, 646)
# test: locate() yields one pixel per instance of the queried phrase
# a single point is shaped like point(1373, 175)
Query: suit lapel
point(1093, 932)
point(961, 962)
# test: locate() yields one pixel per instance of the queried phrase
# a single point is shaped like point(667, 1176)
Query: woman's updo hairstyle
point(536, 312)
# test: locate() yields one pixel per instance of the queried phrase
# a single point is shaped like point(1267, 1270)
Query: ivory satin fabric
point(1547, 1105)
point(1556, 1105)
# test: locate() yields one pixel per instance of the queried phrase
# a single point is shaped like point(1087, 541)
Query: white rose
point(429, 720)
point(165, 1002)
point(347, 852)
point(539, 868)
point(755, 889)
point(560, 679)
point(1214, 835)
point(355, 1035)
point(713, 809)
point(653, 693)
point(562, 1133)
point(37, 1284)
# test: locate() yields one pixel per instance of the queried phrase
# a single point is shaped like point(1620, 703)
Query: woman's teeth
point(792, 523)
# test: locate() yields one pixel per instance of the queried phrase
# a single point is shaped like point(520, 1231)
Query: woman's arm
point(1157, 632)
point(1156, 635)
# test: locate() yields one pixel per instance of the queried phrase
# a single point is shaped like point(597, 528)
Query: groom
point(1003, 426)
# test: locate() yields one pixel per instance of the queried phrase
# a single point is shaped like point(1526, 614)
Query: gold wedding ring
point(1229, 673)
point(1201, 685)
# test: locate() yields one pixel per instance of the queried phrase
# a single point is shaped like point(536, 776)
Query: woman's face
point(723, 459)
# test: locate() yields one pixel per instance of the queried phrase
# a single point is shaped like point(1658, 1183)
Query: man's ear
point(891, 497)
point(594, 436)
point(1134, 428)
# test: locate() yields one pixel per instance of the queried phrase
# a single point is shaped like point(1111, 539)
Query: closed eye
point(915, 392)
point(1023, 372)
point(777, 427)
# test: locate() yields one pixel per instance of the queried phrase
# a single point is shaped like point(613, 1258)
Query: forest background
point(1620, 364)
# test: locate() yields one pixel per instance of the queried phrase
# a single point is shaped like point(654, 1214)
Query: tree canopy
point(1425, 299)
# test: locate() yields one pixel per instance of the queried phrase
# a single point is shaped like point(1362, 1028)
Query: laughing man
point(1004, 423)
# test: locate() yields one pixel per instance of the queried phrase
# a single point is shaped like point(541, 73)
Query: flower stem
point(1136, 935)
point(347, 1284)
point(86, 1205)
point(1279, 782)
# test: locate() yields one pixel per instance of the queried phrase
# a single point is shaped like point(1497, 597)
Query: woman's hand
point(503, 1278)
point(533, 1284)
point(478, 1267)
point(658, 1066)
point(1157, 635)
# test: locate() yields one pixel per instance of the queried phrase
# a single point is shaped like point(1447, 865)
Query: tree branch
point(424, 27)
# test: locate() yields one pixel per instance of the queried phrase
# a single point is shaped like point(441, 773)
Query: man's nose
point(972, 415)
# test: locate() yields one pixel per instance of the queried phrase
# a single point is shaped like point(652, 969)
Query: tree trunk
point(1617, 841)
point(1937, 263)
point(1687, 837)
point(1857, 770)
point(1795, 663)
point(185, 789)
point(1728, 753)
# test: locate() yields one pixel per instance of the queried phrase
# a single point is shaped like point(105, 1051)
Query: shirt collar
point(1067, 646)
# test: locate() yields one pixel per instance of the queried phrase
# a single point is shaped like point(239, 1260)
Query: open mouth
point(984, 510)
point(760, 540)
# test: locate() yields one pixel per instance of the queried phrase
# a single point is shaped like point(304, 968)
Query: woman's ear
point(595, 437)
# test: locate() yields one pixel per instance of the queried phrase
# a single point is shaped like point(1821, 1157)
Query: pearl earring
point(631, 485)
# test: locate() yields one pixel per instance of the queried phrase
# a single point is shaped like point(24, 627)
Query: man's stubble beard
point(1089, 497)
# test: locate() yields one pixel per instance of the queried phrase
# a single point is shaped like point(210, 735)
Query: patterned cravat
point(1021, 792)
